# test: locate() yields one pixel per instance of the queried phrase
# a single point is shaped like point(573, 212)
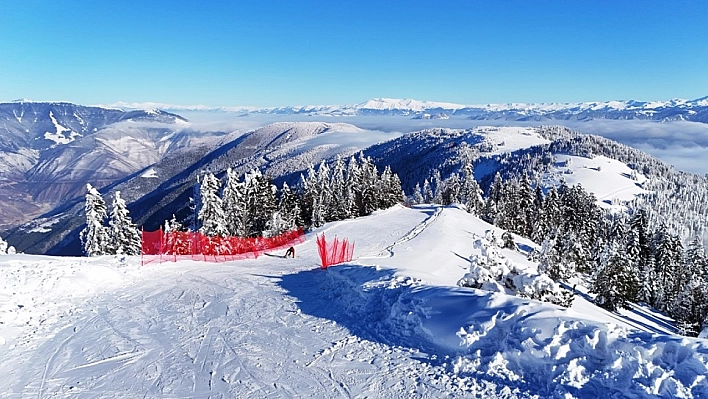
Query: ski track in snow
point(271, 328)
point(388, 251)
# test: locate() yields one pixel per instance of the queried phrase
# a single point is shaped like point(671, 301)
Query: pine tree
point(438, 187)
point(124, 234)
point(417, 195)
point(94, 236)
point(340, 208)
point(211, 213)
point(491, 207)
point(368, 177)
point(667, 252)
point(234, 205)
point(289, 206)
point(691, 307)
point(6, 249)
point(549, 260)
point(450, 190)
point(613, 280)
point(427, 192)
point(261, 202)
point(177, 241)
point(325, 193)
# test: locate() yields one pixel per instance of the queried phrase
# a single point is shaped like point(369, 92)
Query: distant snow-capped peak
point(406, 104)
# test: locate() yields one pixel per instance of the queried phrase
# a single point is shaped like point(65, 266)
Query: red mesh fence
point(332, 253)
point(176, 245)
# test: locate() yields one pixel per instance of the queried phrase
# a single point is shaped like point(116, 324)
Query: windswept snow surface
point(391, 323)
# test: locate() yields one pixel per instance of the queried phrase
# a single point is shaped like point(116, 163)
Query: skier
point(290, 252)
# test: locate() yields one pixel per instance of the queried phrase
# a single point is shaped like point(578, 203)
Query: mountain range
point(672, 110)
point(49, 151)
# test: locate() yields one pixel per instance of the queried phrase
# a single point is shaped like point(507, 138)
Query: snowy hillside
point(176, 159)
point(49, 151)
point(391, 323)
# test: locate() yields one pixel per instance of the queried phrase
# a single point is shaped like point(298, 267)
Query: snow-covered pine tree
point(177, 241)
point(612, 280)
point(173, 225)
point(543, 222)
point(525, 197)
point(368, 178)
point(667, 252)
point(427, 192)
point(261, 202)
point(396, 195)
point(124, 234)
point(307, 193)
point(276, 226)
point(340, 207)
point(234, 205)
point(437, 182)
point(549, 260)
point(352, 189)
point(318, 218)
point(325, 192)
point(470, 192)
point(211, 213)
point(94, 236)
point(6, 249)
point(451, 190)
point(691, 307)
point(417, 197)
point(639, 224)
point(289, 207)
point(390, 192)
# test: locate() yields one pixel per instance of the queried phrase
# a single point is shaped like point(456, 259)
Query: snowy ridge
point(393, 326)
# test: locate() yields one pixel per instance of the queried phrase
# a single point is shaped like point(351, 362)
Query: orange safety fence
point(178, 245)
point(336, 252)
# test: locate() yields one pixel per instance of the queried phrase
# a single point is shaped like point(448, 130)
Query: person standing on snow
point(290, 252)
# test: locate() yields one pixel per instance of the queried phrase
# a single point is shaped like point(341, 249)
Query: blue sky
point(274, 53)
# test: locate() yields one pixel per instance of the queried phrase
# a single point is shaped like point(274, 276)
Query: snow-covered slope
point(391, 323)
point(612, 182)
point(49, 151)
point(279, 150)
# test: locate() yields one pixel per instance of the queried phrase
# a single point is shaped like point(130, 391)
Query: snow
point(43, 225)
point(150, 174)
point(406, 104)
point(511, 138)
point(391, 323)
point(60, 136)
point(611, 181)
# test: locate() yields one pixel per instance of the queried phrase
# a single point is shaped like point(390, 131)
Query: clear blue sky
point(274, 53)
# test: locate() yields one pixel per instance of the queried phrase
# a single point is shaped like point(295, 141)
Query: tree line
point(622, 257)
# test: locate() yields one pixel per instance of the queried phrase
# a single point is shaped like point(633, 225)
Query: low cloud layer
point(681, 144)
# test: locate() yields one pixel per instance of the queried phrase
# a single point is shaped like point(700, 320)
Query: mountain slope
point(48, 151)
point(391, 323)
point(279, 150)
point(284, 150)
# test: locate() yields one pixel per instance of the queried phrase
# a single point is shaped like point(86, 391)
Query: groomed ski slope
point(391, 323)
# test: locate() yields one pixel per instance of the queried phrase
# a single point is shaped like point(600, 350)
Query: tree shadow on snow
point(510, 342)
point(378, 306)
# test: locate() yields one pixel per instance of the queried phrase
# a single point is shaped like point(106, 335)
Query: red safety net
point(176, 245)
point(332, 253)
